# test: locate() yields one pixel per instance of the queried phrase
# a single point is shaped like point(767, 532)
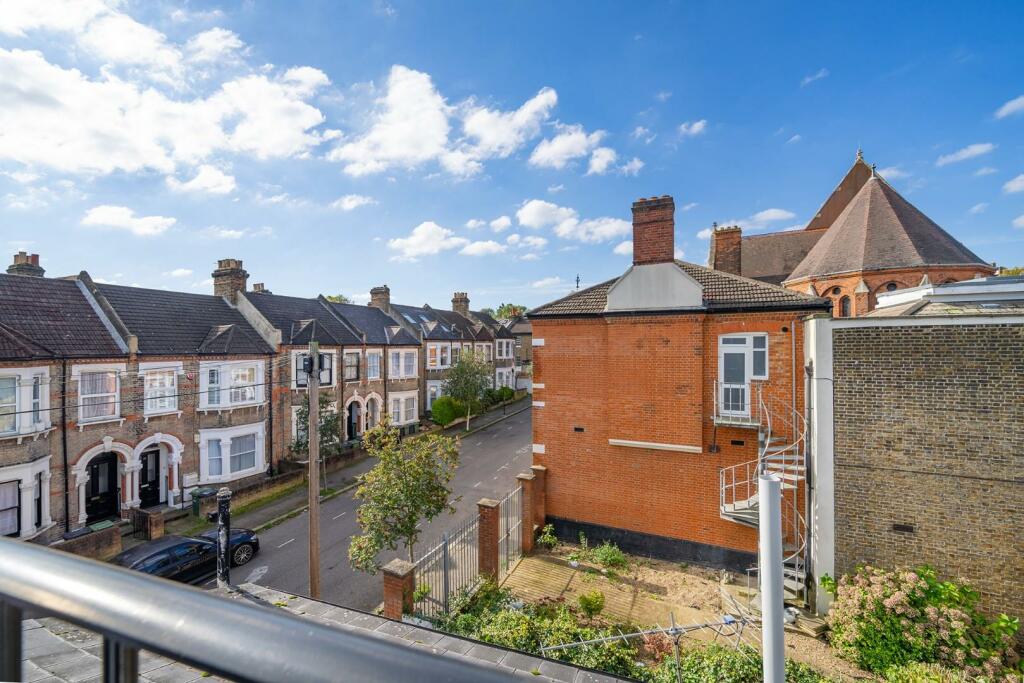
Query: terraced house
point(671, 381)
point(114, 398)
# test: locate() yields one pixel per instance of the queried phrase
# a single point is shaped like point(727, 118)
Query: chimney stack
point(260, 288)
point(654, 228)
point(726, 249)
point(229, 279)
point(380, 297)
point(460, 303)
point(26, 264)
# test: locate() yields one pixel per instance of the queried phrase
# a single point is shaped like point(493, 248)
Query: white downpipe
point(770, 572)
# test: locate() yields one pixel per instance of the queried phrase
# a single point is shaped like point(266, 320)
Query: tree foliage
point(330, 432)
point(1016, 270)
point(509, 311)
point(410, 483)
point(338, 298)
point(445, 410)
point(467, 381)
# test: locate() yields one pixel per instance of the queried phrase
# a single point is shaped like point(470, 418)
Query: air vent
point(903, 528)
point(578, 429)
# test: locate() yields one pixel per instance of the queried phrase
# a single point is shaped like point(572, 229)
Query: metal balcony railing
point(737, 404)
point(228, 638)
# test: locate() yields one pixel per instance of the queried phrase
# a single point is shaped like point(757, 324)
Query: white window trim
point(748, 349)
point(380, 364)
point(359, 374)
point(23, 425)
point(295, 422)
point(402, 395)
point(398, 373)
point(294, 356)
point(118, 369)
point(25, 474)
point(174, 392)
point(225, 435)
point(225, 387)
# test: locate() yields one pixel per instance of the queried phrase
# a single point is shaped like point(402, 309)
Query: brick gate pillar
point(399, 585)
point(526, 526)
point(540, 474)
point(489, 531)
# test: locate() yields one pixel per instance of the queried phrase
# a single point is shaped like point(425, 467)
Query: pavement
point(489, 461)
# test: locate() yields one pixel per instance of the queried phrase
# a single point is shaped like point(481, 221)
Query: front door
point(101, 494)
point(149, 478)
point(353, 420)
point(733, 376)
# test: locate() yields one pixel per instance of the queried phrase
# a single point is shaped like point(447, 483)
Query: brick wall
point(929, 432)
point(727, 249)
point(647, 378)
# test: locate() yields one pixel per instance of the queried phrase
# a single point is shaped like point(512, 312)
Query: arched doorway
point(372, 413)
point(354, 422)
point(102, 493)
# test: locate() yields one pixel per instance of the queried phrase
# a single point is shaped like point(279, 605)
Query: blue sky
point(493, 148)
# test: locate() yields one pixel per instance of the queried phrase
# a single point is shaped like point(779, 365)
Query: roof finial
point(872, 170)
point(577, 282)
point(860, 154)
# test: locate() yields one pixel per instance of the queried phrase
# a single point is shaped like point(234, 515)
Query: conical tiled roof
point(879, 230)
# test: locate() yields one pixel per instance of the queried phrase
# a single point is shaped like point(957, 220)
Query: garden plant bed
point(648, 592)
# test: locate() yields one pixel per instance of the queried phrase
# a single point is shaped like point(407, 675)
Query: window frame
point(748, 347)
point(227, 388)
point(346, 366)
point(399, 417)
point(376, 359)
point(299, 379)
point(115, 395)
point(15, 413)
point(230, 434)
point(16, 507)
point(409, 366)
point(151, 394)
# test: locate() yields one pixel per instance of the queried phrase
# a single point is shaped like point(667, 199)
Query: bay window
point(455, 354)
point(243, 385)
point(410, 409)
point(432, 351)
point(445, 348)
point(231, 453)
point(9, 508)
point(8, 405)
point(409, 364)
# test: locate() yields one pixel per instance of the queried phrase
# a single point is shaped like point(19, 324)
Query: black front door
point(149, 479)
point(101, 491)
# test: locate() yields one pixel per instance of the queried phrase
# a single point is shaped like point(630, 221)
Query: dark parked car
point(187, 558)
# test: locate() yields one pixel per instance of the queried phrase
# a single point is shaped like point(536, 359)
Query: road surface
point(488, 464)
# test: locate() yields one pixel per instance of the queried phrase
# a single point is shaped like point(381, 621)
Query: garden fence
point(447, 568)
point(510, 538)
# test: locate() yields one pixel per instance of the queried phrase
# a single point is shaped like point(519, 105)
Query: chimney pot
point(229, 279)
point(26, 264)
point(380, 297)
point(460, 303)
point(654, 230)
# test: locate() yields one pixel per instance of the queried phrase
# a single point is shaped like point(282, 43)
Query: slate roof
point(497, 329)
point(303, 320)
point(772, 257)
point(721, 291)
point(182, 323)
point(469, 329)
point(433, 325)
point(879, 229)
point(377, 325)
point(45, 317)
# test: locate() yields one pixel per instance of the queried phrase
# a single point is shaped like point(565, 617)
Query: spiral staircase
point(781, 454)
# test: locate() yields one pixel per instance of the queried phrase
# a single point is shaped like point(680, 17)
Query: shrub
point(506, 393)
point(925, 673)
point(592, 603)
point(608, 555)
point(884, 619)
point(509, 628)
point(491, 396)
point(445, 409)
point(718, 664)
point(547, 537)
point(421, 592)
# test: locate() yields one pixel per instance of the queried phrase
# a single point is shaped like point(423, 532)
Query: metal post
point(120, 662)
point(10, 642)
point(445, 565)
point(224, 537)
point(771, 575)
point(313, 432)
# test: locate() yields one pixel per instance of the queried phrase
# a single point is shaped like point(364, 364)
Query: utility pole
point(223, 537)
point(312, 368)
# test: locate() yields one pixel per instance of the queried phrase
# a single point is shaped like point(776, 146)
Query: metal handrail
point(229, 638)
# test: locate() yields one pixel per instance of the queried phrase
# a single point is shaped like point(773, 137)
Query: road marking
point(505, 466)
point(341, 515)
point(257, 574)
point(479, 443)
point(477, 484)
point(495, 477)
point(286, 543)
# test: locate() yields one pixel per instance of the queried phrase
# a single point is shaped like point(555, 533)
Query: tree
point(509, 311)
point(330, 432)
point(410, 483)
point(487, 311)
point(1016, 270)
point(338, 298)
point(467, 381)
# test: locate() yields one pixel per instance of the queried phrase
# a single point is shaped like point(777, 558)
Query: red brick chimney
point(26, 264)
point(726, 249)
point(654, 229)
point(380, 297)
point(460, 303)
point(229, 278)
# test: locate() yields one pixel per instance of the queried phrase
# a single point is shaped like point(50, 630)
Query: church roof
point(877, 230)
point(773, 256)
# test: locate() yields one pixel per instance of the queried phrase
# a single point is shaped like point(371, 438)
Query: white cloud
point(531, 256)
point(663, 95)
point(978, 208)
point(1018, 222)
point(474, 223)
point(501, 223)
point(687, 207)
point(679, 254)
point(498, 133)
point(209, 180)
point(123, 218)
point(894, 173)
point(1015, 185)
point(704, 234)
point(23, 177)
point(217, 232)
point(537, 213)
point(572, 142)
point(214, 45)
point(631, 167)
point(426, 239)
point(593, 229)
point(1014, 106)
point(643, 133)
point(482, 248)
point(817, 76)
point(178, 272)
point(985, 170)
point(528, 242)
point(555, 189)
point(795, 139)
point(601, 160)
point(350, 202)
point(547, 283)
point(771, 215)
point(624, 248)
point(690, 129)
point(969, 152)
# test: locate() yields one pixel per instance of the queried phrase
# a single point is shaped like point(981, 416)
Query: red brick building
point(865, 240)
point(652, 390)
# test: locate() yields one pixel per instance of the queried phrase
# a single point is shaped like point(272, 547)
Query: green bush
point(547, 537)
point(445, 410)
point(506, 393)
point(719, 664)
point(608, 555)
point(592, 603)
point(882, 619)
point(491, 397)
point(926, 673)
